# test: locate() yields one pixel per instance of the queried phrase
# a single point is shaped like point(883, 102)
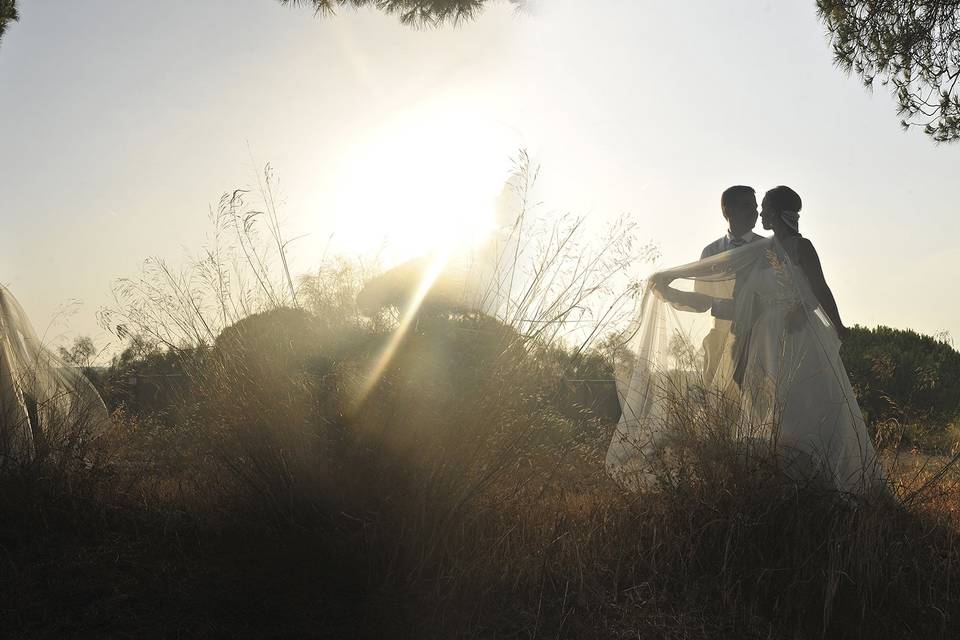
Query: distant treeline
point(898, 375)
point(902, 375)
point(149, 381)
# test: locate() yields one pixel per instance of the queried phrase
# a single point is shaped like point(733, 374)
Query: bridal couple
point(756, 327)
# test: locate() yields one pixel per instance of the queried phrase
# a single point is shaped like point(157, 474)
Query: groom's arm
point(680, 300)
point(722, 308)
point(702, 298)
point(686, 300)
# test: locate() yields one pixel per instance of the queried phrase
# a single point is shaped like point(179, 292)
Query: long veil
point(762, 368)
point(46, 407)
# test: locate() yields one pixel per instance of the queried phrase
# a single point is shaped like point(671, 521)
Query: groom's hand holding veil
point(682, 300)
point(660, 281)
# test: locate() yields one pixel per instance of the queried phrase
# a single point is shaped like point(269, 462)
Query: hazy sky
point(121, 123)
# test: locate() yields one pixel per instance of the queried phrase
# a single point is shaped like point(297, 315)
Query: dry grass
point(463, 495)
point(468, 504)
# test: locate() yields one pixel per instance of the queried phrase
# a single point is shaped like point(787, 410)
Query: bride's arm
point(810, 263)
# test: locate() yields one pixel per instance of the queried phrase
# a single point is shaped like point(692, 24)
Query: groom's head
point(739, 206)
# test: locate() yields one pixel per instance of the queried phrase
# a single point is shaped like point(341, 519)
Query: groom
point(739, 207)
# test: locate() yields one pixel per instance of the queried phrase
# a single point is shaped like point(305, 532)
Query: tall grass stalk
point(469, 491)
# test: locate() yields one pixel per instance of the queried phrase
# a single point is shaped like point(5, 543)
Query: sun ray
point(408, 314)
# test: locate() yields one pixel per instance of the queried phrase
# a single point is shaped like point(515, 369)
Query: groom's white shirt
point(728, 242)
point(722, 290)
point(714, 343)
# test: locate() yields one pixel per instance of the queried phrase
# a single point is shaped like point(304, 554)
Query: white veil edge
point(46, 407)
point(780, 383)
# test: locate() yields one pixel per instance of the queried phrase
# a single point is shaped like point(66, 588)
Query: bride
point(780, 369)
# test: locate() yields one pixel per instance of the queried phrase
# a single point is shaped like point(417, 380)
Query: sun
point(424, 182)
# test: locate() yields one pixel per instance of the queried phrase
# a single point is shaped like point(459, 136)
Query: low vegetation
point(285, 479)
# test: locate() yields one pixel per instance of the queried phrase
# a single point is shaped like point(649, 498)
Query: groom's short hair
point(732, 194)
point(784, 198)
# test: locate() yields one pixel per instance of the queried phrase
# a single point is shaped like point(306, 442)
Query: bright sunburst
point(426, 181)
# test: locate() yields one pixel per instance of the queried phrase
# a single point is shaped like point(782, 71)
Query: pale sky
point(121, 123)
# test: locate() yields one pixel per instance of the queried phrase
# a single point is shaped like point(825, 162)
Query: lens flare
point(408, 314)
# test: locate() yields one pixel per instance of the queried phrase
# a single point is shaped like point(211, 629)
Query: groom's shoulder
point(715, 247)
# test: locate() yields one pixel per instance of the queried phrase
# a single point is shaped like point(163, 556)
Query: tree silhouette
point(8, 13)
point(82, 353)
point(913, 46)
point(418, 13)
point(904, 375)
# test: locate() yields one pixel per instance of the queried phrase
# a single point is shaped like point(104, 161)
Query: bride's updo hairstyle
point(784, 198)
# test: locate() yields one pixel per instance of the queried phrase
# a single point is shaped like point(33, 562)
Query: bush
point(904, 376)
point(468, 499)
point(446, 481)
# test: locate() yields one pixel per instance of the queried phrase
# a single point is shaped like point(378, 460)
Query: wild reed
point(463, 494)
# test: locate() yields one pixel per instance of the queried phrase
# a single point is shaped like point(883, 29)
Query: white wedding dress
point(780, 377)
point(47, 409)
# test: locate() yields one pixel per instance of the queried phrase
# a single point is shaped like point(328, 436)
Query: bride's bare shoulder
point(798, 247)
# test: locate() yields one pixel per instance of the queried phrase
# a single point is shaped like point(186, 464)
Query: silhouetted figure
point(739, 207)
point(793, 394)
point(781, 214)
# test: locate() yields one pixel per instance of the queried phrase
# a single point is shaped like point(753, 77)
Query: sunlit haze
point(421, 181)
point(121, 125)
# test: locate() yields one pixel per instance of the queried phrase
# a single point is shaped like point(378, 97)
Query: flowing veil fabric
point(767, 372)
point(46, 407)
